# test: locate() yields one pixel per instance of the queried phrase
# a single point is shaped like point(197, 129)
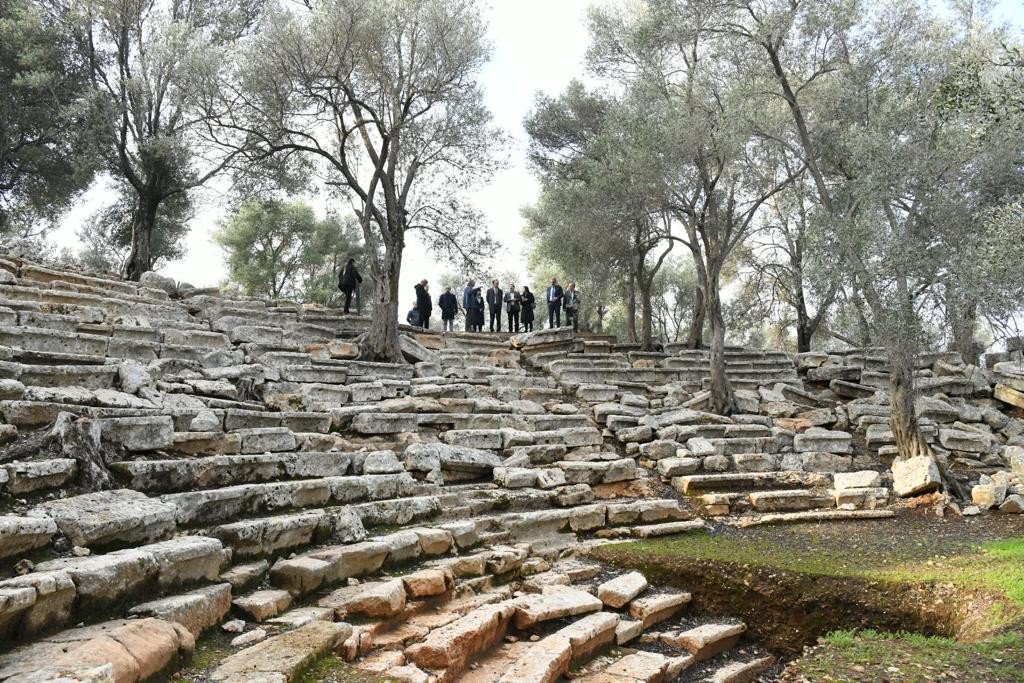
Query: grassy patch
point(862, 656)
point(995, 566)
point(331, 669)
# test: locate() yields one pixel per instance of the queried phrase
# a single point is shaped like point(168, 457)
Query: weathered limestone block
point(49, 605)
point(707, 640)
point(105, 580)
point(21, 534)
point(266, 440)
point(284, 657)
point(656, 608)
point(962, 440)
point(37, 475)
point(543, 662)
point(817, 439)
point(619, 591)
point(139, 433)
point(197, 610)
point(453, 645)
point(121, 516)
point(555, 602)
point(371, 599)
point(855, 480)
point(914, 476)
point(263, 605)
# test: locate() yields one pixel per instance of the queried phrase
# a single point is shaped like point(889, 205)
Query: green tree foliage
point(380, 98)
point(45, 116)
point(159, 67)
point(281, 249)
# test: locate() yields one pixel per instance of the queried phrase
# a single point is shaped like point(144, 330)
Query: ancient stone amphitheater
point(178, 466)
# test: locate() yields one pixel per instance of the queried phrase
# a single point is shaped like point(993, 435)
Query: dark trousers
point(495, 317)
point(447, 324)
point(348, 298)
point(554, 314)
point(425, 321)
point(513, 321)
point(572, 317)
point(528, 326)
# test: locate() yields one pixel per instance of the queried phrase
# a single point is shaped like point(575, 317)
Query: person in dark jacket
point(423, 305)
point(512, 306)
point(449, 306)
point(495, 300)
point(478, 310)
point(348, 280)
point(527, 301)
point(468, 302)
point(571, 303)
point(554, 300)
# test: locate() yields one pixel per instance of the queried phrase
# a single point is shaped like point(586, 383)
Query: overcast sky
point(539, 46)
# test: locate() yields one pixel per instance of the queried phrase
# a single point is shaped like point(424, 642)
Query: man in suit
point(571, 303)
point(512, 299)
point(467, 302)
point(554, 298)
point(495, 300)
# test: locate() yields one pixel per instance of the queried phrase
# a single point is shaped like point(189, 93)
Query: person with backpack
point(512, 301)
point(424, 307)
point(449, 306)
point(348, 281)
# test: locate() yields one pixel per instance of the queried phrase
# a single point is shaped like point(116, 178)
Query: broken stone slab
point(266, 440)
point(451, 646)
point(676, 467)
point(283, 657)
point(667, 528)
point(656, 608)
point(371, 599)
point(197, 610)
point(554, 602)
point(139, 433)
point(963, 440)
point(35, 602)
point(817, 439)
point(619, 591)
point(38, 475)
point(915, 476)
point(742, 672)
point(263, 605)
point(106, 518)
point(19, 535)
point(857, 480)
point(707, 640)
point(544, 662)
point(123, 650)
point(428, 582)
point(589, 634)
point(435, 457)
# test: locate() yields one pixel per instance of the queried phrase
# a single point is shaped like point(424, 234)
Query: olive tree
point(378, 97)
point(157, 65)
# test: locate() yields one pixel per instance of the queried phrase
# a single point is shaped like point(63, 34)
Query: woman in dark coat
point(527, 302)
point(423, 304)
point(478, 311)
point(348, 281)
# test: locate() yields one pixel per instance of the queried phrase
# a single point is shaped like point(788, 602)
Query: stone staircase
point(251, 466)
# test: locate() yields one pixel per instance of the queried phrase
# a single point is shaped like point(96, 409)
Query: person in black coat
point(449, 306)
point(348, 280)
point(526, 302)
point(423, 304)
point(495, 300)
point(478, 310)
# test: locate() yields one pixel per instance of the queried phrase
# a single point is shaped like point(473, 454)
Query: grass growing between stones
point(862, 656)
point(332, 669)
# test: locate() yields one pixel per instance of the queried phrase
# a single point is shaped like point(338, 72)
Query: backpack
point(413, 317)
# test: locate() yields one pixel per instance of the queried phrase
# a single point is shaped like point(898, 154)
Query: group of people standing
point(517, 307)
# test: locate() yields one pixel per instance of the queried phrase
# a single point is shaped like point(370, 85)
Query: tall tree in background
point(158, 66)
point(45, 115)
point(379, 96)
point(602, 202)
point(864, 90)
point(281, 249)
point(718, 172)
